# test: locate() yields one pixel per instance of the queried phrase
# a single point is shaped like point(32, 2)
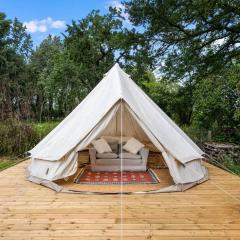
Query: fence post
point(209, 136)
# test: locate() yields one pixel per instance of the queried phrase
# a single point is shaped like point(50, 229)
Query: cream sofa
point(118, 160)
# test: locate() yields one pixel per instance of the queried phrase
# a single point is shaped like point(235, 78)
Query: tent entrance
point(121, 127)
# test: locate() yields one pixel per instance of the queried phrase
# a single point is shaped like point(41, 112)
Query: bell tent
point(116, 107)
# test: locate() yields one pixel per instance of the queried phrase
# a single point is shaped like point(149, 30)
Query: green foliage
point(44, 128)
point(96, 42)
point(91, 44)
point(65, 71)
point(42, 64)
point(192, 37)
point(230, 164)
point(162, 92)
point(17, 137)
point(217, 105)
point(6, 162)
point(196, 133)
point(175, 99)
point(15, 47)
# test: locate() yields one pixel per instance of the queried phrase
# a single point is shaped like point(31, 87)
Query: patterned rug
point(86, 176)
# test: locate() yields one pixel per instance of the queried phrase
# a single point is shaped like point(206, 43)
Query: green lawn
point(6, 162)
point(233, 167)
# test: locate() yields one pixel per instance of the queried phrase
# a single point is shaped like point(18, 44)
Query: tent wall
point(49, 170)
point(67, 166)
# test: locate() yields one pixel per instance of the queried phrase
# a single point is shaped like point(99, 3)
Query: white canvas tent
point(116, 106)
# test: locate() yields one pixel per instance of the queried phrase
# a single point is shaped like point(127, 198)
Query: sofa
point(118, 159)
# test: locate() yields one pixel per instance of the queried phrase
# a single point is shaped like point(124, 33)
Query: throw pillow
point(133, 146)
point(101, 146)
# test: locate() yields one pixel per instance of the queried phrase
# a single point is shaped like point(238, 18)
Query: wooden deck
point(208, 211)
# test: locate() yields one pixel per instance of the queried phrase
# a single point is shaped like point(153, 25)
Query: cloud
point(43, 25)
point(119, 6)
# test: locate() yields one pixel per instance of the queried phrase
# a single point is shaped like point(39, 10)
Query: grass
point(235, 169)
point(230, 164)
point(18, 137)
point(6, 162)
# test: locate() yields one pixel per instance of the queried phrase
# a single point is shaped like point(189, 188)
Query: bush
point(18, 137)
point(217, 105)
point(43, 129)
point(196, 134)
point(230, 164)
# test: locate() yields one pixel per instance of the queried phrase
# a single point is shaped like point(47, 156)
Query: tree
point(217, 104)
point(15, 48)
point(96, 42)
point(91, 44)
point(42, 65)
point(65, 71)
point(173, 98)
point(192, 38)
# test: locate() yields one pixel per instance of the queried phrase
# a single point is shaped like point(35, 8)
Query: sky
point(43, 17)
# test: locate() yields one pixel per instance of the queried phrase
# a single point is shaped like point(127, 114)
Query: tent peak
point(117, 66)
point(119, 70)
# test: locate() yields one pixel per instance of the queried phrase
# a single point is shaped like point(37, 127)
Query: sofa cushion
point(101, 146)
point(106, 155)
point(133, 146)
point(128, 155)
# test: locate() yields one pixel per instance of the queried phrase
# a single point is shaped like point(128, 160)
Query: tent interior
point(123, 125)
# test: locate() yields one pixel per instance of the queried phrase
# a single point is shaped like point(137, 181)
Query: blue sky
point(43, 17)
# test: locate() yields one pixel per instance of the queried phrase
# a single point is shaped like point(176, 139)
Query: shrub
point(43, 129)
point(196, 134)
point(230, 164)
point(16, 137)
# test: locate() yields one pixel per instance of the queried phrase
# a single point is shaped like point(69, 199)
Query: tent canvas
point(116, 106)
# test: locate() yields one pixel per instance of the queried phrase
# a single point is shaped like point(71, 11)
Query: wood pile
point(218, 150)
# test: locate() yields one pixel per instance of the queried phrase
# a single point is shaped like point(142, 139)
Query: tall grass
point(17, 137)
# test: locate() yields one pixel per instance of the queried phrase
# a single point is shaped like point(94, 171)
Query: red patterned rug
point(86, 176)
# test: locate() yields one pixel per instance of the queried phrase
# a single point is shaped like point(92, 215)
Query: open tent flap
point(181, 173)
point(124, 124)
point(165, 130)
